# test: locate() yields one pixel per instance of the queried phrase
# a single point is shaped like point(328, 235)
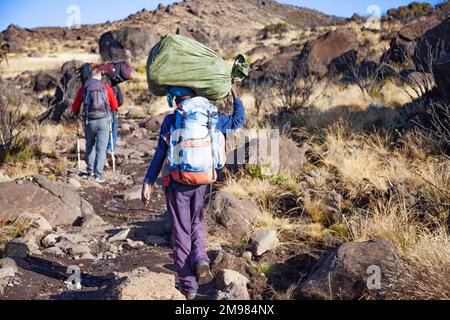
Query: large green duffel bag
point(180, 61)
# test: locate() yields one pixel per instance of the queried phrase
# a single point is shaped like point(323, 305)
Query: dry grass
point(363, 162)
point(19, 169)
point(260, 191)
point(17, 64)
point(424, 273)
point(10, 230)
point(386, 220)
point(284, 296)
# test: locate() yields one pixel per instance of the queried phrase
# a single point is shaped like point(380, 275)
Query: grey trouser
point(97, 135)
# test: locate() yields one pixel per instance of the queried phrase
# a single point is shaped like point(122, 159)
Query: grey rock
point(225, 277)
point(135, 244)
point(9, 263)
point(87, 256)
point(344, 273)
point(7, 272)
point(247, 255)
point(79, 250)
point(58, 204)
point(74, 183)
point(55, 251)
point(233, 292)
point(263, 241)
point(120, 236)
point(233, 215)
point(74, 238)
point(20, 248)
point(50, 240)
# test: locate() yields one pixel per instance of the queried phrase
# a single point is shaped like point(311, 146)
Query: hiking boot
point(204, 275)
point(87, 175)
point(190, 295)
point(100, 180)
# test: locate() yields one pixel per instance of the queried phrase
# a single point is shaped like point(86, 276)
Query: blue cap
point(173, 92)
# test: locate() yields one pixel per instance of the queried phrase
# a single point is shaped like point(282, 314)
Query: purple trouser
point(185, 207)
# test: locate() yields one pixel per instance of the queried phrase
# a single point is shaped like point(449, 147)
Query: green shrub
point(20, 152)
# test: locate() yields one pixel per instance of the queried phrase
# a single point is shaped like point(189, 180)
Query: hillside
point(215, 22)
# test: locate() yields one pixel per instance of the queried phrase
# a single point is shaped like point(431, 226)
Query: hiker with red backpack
point(192, 147)
point(99, 102)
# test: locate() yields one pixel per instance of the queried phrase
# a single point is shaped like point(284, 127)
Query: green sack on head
point(183, 62)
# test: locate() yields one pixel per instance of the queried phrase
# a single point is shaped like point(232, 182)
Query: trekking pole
point(112, 146)
point(78, 148)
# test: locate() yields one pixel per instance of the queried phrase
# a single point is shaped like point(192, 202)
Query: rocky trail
point(131, 237)
point(119, 249)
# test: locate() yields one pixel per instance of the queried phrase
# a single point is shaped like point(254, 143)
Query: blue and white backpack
point(196, 147)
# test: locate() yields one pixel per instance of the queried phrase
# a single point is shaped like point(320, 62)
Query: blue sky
point(28, 13)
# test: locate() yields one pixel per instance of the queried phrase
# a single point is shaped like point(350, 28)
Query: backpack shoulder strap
point(105, 99)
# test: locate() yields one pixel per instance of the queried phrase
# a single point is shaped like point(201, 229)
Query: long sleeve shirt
point(113, 103)
point(225, 123)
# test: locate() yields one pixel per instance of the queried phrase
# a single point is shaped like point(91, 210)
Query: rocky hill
point(206, 20)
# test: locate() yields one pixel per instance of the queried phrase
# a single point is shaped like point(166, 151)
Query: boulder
point(403, 44)
point(120, 236)
point(222, 260)
point(335, 48)
point(21, 247)
point(57, 203)
point(233, 292)
point(46, 80)
point(15, 38)
point(441, 71)
point(262, 241)
point(8, 268)
point(225, 277)
point(50, 240)
point(153, 124)
point(345, 273)
point(74, 183)
point(79, 250)
point(66, 91)
point(198, 34)
point(127, 43)
point(281, 66)
point(292, 165)
point(434, 42)
point(7, 272)
point(142, 284)
point(232, 215)
point(54, 251)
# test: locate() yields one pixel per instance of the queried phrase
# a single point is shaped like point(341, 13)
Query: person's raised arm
point(237, 119)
